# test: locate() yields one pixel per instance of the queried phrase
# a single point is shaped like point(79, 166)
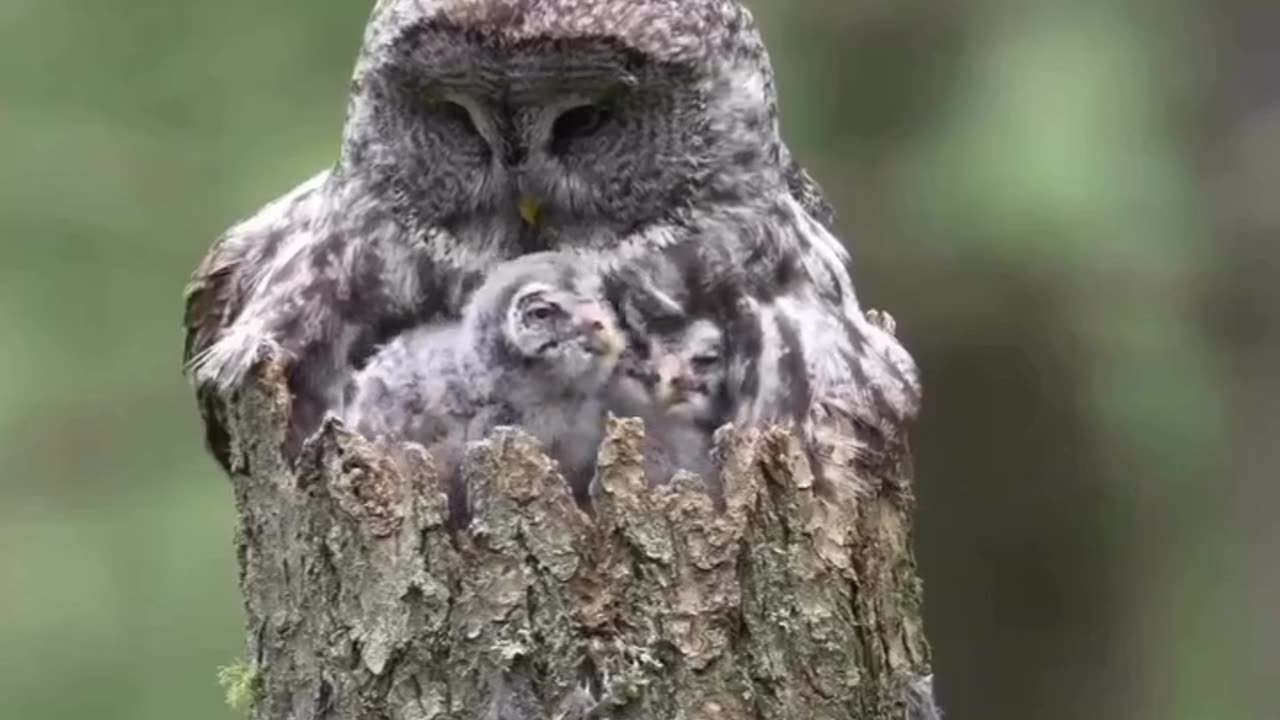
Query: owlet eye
point(706, 361)
point(541, 312)
point(580, 122)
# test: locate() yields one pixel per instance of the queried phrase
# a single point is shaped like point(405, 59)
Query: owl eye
point(541, 312)
point(457, 114)
point(579, 122)
point(706, 361)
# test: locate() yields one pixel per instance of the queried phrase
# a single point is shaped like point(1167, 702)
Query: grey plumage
point(648, 132)
point(535, 348)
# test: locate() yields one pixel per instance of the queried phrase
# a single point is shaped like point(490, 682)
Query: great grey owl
point(535, 348)
point(677, 382)
point(641, 132)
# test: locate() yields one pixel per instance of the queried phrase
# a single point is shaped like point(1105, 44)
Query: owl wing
point(865, 386)
point(829, 376)
point(234, 268)
point(819, 362)
point(228, 276)
point(212, 300)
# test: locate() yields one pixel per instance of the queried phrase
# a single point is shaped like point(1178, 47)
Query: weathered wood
point(658, 603)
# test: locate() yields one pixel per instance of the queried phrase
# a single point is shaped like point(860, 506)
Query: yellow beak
point(530, 211)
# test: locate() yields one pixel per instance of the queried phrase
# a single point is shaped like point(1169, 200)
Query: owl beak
point(530, 211)
point(669, 389)
point(600, 330)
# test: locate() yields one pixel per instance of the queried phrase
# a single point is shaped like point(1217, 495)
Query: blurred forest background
point(1073, 209)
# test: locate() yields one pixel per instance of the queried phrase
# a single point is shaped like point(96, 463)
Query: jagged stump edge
point(655, 603)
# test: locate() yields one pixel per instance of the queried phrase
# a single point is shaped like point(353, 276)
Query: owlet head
point(546, 313)
point(689, 373)
point(568, 335)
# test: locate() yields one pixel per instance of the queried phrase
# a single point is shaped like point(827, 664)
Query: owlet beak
point(668, 389)
point(530, 211)
point(602, 332)
point(610, 342)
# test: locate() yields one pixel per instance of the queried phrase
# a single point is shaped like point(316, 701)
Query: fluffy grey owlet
point(643, 132)
point(677, 382)
point(536, 347)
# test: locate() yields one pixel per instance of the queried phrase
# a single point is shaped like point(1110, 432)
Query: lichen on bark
point(766, 601)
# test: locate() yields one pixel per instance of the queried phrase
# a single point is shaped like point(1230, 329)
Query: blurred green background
point(1071, 208)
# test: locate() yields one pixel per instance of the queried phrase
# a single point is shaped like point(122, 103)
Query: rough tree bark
point(660, 603)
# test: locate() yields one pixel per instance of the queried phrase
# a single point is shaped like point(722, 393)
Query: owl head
point(689, 373)
point(679, 373)
point(553, 122)
point(545, 316)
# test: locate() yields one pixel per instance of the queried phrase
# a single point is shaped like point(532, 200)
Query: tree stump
point(770, 602)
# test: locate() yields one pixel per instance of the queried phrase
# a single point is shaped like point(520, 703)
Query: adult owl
point(642, 132)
